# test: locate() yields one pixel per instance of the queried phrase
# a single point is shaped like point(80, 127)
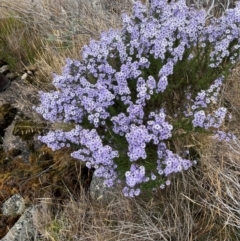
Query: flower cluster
point(172, 162)
point(123, 95)
point(202, 101)
point(200, 108)
point(223, 136)
point(222, 32)
point(135, 176)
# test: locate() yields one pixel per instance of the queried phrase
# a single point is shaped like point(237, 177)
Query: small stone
point(4, 68)
point(29, 72)
point(24, 76)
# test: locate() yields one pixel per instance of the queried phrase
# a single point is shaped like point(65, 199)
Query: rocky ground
point(27, 167)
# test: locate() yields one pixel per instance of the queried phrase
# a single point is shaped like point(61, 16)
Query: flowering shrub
point(139, 89)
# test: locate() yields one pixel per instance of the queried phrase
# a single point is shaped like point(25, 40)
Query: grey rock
point(102, 194)
point(22, 96)
point(4, 69)
point(14, 206)
point(24, 76)
point(15, 142)
point(23, 230)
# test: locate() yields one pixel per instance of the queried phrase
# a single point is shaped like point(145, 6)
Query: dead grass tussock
point(17, 43)
point(60, 29)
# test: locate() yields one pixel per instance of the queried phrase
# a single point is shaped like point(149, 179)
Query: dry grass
point(51, 31)
point(202, 204)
